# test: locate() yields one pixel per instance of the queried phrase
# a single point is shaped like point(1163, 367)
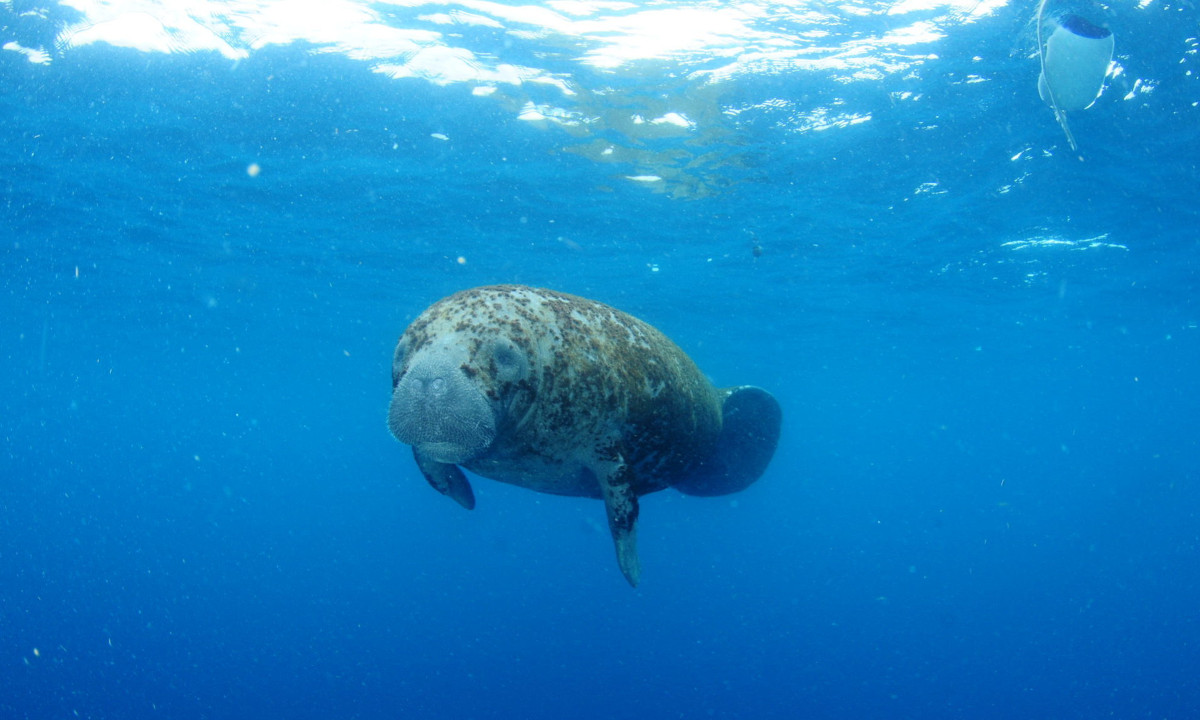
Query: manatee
point(565, 395)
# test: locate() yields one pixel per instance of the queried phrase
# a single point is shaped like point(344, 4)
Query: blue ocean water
point(984, 500)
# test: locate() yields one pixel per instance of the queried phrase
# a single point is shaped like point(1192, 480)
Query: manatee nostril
point(439, 412)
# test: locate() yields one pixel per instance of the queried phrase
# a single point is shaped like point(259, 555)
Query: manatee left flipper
point(447, 479)
point(620, 501)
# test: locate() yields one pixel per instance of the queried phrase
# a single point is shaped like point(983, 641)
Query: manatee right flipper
point(620, 501)
point(447, 479)
point(750, 420)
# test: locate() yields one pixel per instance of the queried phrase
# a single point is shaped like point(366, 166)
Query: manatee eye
point(511, 364)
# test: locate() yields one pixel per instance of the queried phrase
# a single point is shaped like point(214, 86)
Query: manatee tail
point(749, 434)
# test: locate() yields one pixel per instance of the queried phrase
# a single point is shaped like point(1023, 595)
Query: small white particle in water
point(253, 169)
point(439, 136)
point(461, 260)
point(196, 458)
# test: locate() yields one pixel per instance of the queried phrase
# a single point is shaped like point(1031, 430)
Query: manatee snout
point(441, 413)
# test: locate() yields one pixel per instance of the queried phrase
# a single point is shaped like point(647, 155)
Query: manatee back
point(597, 384)
point(607, 375)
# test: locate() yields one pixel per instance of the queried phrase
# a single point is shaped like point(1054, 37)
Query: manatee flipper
point(620, 501)
point(447, 479)
point(750, 419)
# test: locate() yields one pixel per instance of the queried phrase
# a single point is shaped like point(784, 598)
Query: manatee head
point(455, 384)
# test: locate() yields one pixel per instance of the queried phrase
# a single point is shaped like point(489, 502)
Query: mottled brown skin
point(555, 393)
